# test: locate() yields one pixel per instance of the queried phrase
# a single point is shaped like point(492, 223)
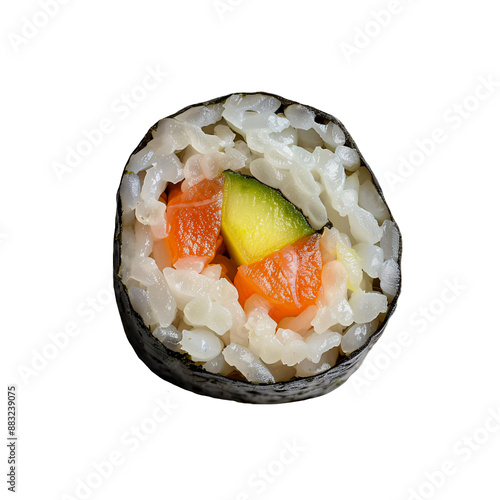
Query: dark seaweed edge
point(183, 372)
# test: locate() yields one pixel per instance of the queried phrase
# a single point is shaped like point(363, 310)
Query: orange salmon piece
point(290, 279)
point(194, 219)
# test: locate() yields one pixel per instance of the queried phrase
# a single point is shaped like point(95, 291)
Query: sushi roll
point(255, 257)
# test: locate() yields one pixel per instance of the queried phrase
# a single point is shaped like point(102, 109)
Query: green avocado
point(257, 220)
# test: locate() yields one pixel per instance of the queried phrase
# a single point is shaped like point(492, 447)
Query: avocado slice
point(257, 220)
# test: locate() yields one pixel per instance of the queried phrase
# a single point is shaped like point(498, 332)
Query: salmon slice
point(290, 279)
point(194, 218)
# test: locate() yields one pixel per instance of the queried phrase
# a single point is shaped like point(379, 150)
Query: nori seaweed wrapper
point(178, 368)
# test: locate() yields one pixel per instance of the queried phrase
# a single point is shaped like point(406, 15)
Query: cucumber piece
point(257, 220)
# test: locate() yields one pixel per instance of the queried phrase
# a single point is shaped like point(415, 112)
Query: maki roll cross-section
point(255, 257)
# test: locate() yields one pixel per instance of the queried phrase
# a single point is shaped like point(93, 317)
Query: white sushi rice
point(191, 309)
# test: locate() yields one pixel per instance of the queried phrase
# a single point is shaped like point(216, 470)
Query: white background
point(387, 430)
